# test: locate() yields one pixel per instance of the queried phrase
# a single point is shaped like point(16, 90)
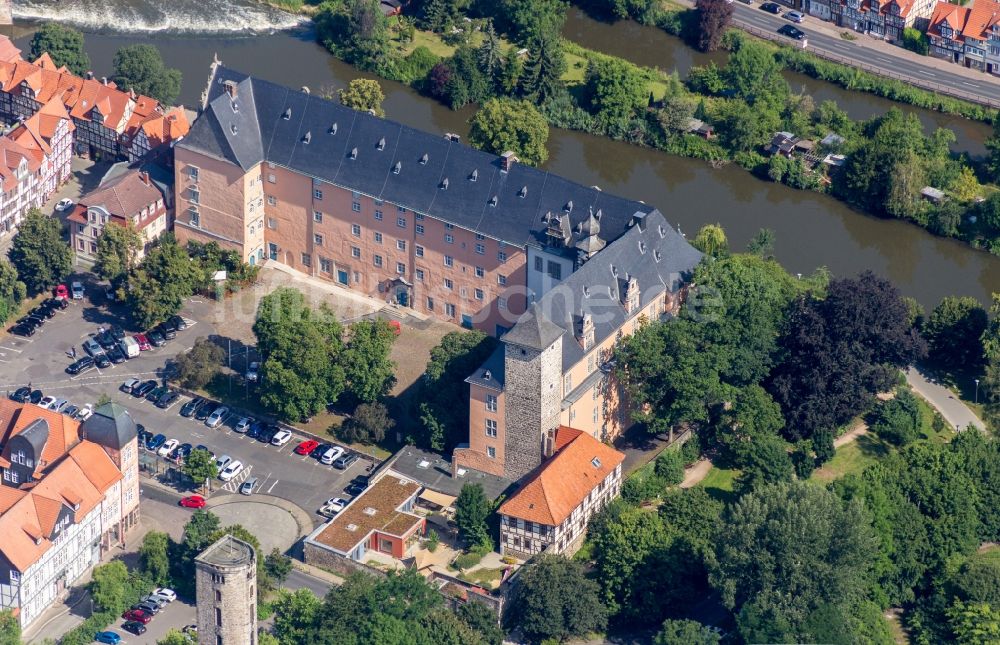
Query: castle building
point(414, 219)
point(69, 493)
point(555, 367)
point(226, 591)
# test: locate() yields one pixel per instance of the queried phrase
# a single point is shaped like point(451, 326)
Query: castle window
point(418, 251)
point(501, 256)
point(480, 272)
point(491, 427)
point(491, 452)
point(491, 403)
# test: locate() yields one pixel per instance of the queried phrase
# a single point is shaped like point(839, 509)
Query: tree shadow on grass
point(871, 446)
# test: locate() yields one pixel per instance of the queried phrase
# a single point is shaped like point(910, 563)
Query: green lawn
point(719, 483)
point(852, 458)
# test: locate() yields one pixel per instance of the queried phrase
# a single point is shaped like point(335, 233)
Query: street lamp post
point(977, 391)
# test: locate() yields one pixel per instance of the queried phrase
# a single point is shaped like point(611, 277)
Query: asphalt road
point(903, 64)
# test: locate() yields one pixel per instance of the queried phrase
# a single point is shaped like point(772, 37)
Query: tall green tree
point(200, 466)
point(140, 68)
point(554, 599)
point(754, 75)
point(63, 44)
point(295, 612)
point(118, 250)
point(10, 628)
point(459, 353)
point(472, 510)
point(195, 368)
point(12, 290)
point(367, 42)
point(541, 78)
point(278, 565)
point(765, 460)
point(200, 528)
point(369, 370)
point(992, 144)
point(491, 59)
point(367, 425)
point(526, 20)
point(714, 17)
point(109, 586)
point(153, 557)
point(39, 253)
point(161, 283)
point(364, 95)
point(685, 632)
point(505, 124)
point(711, 240)
point(615, 90)
point(789, 555)
point(954, 332)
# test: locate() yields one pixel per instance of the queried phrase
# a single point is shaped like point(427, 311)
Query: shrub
point(433, 539)
point(690, 451)
point(916, 41)
point(669, 467)
point(467, 560)
point(898, 419)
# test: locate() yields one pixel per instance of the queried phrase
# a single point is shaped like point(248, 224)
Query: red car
point(143, 342)
point(306, 447)
point(62, 292)
point(137, 615)
point(193, 501)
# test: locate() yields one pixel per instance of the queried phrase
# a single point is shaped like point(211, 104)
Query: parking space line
point(272, 486)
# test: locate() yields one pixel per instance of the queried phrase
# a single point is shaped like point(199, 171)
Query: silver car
point(248, 486)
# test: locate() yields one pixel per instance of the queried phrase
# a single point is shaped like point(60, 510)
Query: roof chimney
point(104, 80)
point(639, 218)
point(451, 136)
point(230, 88)
point(144, 176)
point(305, 89)
point(89, 76)
point(507, 161)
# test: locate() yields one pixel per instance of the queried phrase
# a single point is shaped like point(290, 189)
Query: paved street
point(951, 407)
point(890, 59)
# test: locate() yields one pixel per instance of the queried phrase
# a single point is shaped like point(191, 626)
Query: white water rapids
point(146, 16)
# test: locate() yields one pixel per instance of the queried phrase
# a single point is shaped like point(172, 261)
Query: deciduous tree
point(278, 565)
point(614, 89)
point(714, 17)
point(685, 632)
point(118, 250)
point(10, 628)
point(140, 68)
point(153, 559)
point(472, 510)
point(200, 466)
point(364, 95)
point(12, 290)
point(109, 586)
point(295, 612)
point(195, 368)
point(39, 253)
point(63, 44)
point(369, 370)
point(367, 425)
point(553, 598)
point(954, 332)
point(505, 124)
point(161, 282)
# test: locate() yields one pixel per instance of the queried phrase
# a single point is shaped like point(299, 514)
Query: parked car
point(116, 355)
point(281, 437)
point(183, 451)
point(167, 399)
point(102, 360)
point(27, 331)
point(91, 347)
point(191, 407)
point(193, 501)
point(134, 627)
point(771, 7)
point(234, 468)
point(149, 606)
point(223, 461)
point(36, 397)
point(61, 292)
point(144, 438)
point(117, 333)
point(795, 16)
point(167, 447)
point(85, 412)
point(306, 447)
point(41, 311)
point(154, 395)
point(336, 504)
point(253, 372)
point(56, 303)
point(178, 323)
point(143, 342)
point(129, 385)
point(218, 415)
point(206, 410)
point(792, 32)
point(320, 450)
point(344, 461)
point(59, 405)
point(81, 365)
point(130, 347)
point(255, 429)
point(71, 410)
point(77, 290)
point(65, 204)
point(143, 389)
point(156, 339)
point(168, 330)
point(108, 636)
point(155, 442)
point(333, 453)
point(21, 394)
point(163, 592)
point(248, 486)
point(357, 486)
point(243, 425)
point(138, 616)
point(105, 340)
point(267, 434)
point(47, 402)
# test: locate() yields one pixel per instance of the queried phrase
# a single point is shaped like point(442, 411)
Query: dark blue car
point(155, 443)
point(108, 637)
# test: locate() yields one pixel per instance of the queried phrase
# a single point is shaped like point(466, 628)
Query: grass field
point(719, 483)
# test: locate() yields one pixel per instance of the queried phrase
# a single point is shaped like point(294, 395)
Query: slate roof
point(433, 471)
point(258, 130)
point(533, 330)
point(110, 426)
point(653, 253)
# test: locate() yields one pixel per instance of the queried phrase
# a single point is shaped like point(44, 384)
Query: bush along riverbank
point(729, 114)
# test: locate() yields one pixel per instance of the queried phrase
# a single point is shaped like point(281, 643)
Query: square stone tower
point(533, 374)
point(226, 579)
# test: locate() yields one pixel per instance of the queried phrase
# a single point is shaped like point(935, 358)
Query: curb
point(298, 513)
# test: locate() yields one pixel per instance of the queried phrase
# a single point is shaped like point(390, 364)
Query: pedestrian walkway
point(954, 411)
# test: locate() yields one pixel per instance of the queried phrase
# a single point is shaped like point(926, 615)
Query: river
point(812, 230)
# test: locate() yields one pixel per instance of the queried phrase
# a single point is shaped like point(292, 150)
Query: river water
point(812, 230)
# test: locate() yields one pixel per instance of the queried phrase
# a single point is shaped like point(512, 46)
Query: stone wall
point(227, 601)
point(533, 392)
point(317, 556)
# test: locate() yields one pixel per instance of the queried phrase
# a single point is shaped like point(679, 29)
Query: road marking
point(272, 486)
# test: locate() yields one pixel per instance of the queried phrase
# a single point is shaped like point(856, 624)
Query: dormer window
point(287, 115)
point(397, 168)
point(474, 176)
point(493, 200)
point(569, 206)
point(307, 137)
point(333, 129)
point(235, 106)
point(523, 192)
point(444, 184)
point(354, 153)
point(423, 159)
point(233, 128)
point(381, 144)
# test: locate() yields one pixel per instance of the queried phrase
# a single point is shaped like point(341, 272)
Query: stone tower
point(533, 393)
point(226, 579)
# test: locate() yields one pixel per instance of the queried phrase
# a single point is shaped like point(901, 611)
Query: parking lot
point(41, 361)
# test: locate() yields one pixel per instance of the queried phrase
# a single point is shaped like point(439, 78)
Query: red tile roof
point(562, 483)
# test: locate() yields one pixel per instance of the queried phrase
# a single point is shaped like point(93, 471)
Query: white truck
point(130, 346)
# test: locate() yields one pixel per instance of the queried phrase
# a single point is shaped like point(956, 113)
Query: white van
point(130, 346)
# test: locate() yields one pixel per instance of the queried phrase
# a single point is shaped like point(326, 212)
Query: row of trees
point(136, 67)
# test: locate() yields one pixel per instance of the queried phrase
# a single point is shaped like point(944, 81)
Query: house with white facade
point(69, 492)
